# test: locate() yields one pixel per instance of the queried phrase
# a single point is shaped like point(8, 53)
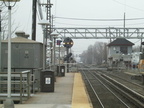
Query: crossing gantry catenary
point(101, 33)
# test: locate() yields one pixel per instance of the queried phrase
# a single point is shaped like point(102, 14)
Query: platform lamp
point(9, 102)
point(44, 23)
point(59, 43)
point(54, 35)
point(49, 50)
point(0, 47)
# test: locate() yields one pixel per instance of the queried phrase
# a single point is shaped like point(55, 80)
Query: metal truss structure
point(101, 33)
point(90, 33)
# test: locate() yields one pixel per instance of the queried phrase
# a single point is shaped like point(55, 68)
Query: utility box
point(47, 80)
point(61, 70)
point(25, 53)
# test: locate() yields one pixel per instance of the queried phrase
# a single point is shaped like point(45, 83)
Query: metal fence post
point(21, 88)
point(28, 82)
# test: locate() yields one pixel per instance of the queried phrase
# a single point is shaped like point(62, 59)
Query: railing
point(20, 82)
point(73, 67)
point(36, 80)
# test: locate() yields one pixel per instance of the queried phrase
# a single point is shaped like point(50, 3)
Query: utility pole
point(0, 41)
point(48, 6)
point(67, 52)
point(124, 24)
point(34, 8)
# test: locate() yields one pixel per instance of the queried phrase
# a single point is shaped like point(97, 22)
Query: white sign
point(47, 80)
point(62, 70)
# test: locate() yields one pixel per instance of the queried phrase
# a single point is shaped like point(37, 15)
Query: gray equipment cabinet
point(47, 80)
point(25, 53)
point(61, 70)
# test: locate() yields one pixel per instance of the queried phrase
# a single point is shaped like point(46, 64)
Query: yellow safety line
point(80, 98)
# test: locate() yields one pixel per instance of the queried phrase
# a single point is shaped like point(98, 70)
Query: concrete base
point(8, 103)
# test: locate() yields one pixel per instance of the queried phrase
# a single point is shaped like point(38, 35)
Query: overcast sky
point(83, 9)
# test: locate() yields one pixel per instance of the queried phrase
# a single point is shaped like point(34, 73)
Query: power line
point(97, 25)
point(68, 18)
point(128, 6)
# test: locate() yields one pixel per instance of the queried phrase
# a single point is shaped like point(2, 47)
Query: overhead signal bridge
point(101, 33)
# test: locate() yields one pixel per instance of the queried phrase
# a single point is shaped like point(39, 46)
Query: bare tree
point(95, 54)
point(4, 23)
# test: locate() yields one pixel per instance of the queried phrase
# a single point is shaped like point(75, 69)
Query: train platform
point(69, 92)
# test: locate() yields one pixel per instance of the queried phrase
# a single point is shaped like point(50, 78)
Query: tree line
point(95, 54)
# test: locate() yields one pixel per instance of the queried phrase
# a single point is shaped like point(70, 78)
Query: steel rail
point(93, 90)
point(138, 85)
point(110, 90)
point(127, 80)
point(121, 101)
point(133, 96)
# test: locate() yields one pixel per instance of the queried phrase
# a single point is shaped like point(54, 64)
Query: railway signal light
point(68, 42)
point(67, 57)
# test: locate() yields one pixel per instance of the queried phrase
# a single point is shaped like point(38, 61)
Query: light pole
point(9, 102)
point(59, 43)
point(54, 35)
point(68, 43)
point(49, 51)
point(0, 40)
point(44, 23)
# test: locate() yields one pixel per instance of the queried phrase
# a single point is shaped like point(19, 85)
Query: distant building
point(119, 50)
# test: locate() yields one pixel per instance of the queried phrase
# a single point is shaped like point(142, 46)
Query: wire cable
point(68, 18)
point(97, 25)
point(128, 6)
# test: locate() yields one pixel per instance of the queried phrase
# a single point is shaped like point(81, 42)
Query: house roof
point(20, 40)
point(121, 42)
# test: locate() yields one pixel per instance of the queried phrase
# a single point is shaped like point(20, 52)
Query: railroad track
point(127, 82)
point(106, 92)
